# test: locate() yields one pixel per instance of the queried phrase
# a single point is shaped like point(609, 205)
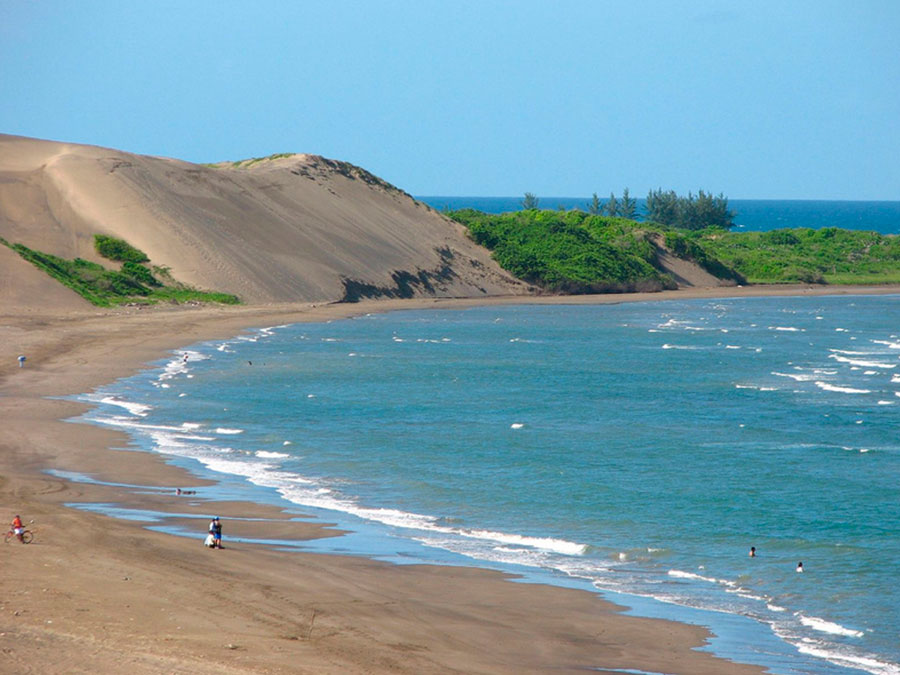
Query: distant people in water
point(185, 358)
point(799, 566)
point(752, 551)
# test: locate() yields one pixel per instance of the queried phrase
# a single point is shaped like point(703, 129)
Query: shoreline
point(131, 591)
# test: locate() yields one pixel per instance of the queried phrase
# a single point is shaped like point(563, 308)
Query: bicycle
point(27, 536)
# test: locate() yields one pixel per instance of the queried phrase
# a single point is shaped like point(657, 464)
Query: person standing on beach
point(215, 529)
point(21, 361)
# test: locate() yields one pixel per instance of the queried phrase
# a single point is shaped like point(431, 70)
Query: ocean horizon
point(635, 450)
point(750, 214)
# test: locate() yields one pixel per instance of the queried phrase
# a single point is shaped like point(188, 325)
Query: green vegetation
point(244, 163)
point(118, 249)
point(105, 288)
point(830, 255)
point(569, 251)
point(580, 252)
point(689, 213)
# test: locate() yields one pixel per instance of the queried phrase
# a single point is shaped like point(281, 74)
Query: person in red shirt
point(17, 527)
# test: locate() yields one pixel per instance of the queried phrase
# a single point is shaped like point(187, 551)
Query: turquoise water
point(638, 448)
point(751, 214)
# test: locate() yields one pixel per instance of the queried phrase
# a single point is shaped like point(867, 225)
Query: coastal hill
point(287, 228)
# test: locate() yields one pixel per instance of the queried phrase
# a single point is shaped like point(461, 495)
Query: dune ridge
point(290, 228)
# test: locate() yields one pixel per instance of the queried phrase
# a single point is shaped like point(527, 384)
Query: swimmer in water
point(799, 566)
point(752, 551)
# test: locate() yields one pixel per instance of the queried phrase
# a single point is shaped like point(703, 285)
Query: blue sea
point(750, 214)
point(637, 450)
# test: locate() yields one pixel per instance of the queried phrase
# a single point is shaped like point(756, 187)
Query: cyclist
point(18, 528)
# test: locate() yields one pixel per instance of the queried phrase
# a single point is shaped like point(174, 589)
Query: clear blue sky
point(797, 99)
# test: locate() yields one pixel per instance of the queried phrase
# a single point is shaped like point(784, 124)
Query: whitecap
point(516, 425)
point(885, 402)
point(842, 658)
point(797, 377)
point(680, 574)
point(887, 343)
point(861, 363)
point(265, 454)
point(824, 626)
point(787, 329)
point(137, 409)
point(228, 432)
point(841, 390)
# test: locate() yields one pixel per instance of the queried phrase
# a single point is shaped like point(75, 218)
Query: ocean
point(751, 214)
point(637, 450)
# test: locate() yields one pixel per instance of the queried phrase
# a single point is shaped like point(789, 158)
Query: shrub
point(118, 249)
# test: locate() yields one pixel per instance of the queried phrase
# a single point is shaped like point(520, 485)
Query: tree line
point(691, 212)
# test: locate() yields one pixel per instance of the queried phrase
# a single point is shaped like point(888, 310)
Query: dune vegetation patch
point(570, 251)
point(133, 283)
point(829, 255)
point(580, 252)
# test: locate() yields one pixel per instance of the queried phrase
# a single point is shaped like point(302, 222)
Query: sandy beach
point(98, 594)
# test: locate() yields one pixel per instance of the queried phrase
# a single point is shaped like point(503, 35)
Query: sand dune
point(287, 229)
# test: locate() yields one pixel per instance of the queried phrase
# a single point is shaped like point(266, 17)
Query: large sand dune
point(290, 228)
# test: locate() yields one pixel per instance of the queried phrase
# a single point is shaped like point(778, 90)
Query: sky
point(756, 100)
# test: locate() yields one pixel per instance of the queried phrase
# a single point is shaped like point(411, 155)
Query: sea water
point(640, 448)
point(750, 214)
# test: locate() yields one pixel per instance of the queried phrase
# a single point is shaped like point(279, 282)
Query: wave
point(228, 432)
point(843, 658)
point(668, 346)
point(679, 574)
point(265, 454)
point(824, 626)
point(887, 343)
point(860, 363)
point(797, 377)
point(136, 409)
point(841, 390)
point(787, 329)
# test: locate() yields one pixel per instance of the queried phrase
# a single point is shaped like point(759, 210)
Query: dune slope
point(284, 229)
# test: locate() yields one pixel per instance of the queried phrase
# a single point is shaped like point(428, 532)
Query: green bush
point(118, 249)
point(829, 255)
point(139, 273)
point(104, 287)
point(568, 251)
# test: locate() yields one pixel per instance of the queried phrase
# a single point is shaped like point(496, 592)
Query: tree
point(628, 206)
point(530, 202)
point(662, 207)
point(596, 206)
point(689, 213)
point(611, 207)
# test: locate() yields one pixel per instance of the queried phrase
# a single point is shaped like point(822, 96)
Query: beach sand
point(103, 595)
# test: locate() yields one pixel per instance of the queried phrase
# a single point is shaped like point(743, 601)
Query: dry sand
point(96, 594)
point(289, 229)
